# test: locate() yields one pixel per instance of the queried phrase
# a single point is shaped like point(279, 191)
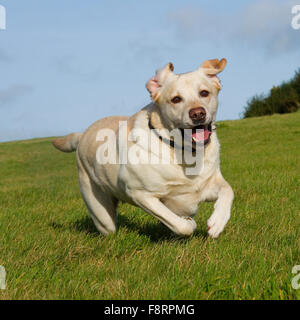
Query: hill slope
point(51, 249)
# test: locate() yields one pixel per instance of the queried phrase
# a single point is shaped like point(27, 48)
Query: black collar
point(170, 142)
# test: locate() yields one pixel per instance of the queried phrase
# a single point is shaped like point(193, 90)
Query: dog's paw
point(216, 223)
point(186, 227)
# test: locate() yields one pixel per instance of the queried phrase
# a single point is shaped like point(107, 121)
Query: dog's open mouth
point(199, 134)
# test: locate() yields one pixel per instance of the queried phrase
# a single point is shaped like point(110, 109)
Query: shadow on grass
point(156, 232)
point(84, 224)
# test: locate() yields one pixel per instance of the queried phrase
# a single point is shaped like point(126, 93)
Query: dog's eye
point(176, 99)
point(204, 93)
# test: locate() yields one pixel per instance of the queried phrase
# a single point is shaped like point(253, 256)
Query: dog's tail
point(68, 143)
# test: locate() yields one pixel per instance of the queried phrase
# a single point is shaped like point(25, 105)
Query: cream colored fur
point(165, 191)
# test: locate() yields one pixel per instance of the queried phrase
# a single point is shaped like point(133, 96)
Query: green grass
point(51, 249)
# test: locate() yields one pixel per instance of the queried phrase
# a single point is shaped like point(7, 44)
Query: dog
point(165, 191)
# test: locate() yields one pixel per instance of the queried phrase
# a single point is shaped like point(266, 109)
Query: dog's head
point(189, 100)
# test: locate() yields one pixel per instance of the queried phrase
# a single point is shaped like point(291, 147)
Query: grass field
point(51, 249)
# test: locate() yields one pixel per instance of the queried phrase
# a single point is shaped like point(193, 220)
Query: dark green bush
point(281, 99)
point(295, 82)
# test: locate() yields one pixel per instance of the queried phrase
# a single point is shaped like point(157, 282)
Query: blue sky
point(65, 64)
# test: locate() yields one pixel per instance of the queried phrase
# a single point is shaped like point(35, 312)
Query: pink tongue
point(201, 135)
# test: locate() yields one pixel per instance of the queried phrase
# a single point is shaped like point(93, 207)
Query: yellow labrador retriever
point(164, 189)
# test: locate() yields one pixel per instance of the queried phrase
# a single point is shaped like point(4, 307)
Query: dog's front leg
point(152, 205)
point(218, 220)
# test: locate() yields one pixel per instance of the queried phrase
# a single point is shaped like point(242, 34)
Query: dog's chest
point(180, 193)
point(183, 196)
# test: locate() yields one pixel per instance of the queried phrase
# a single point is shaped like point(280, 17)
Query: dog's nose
point(197, 114)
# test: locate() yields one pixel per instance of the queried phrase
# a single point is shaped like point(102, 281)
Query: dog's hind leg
point(102, 207)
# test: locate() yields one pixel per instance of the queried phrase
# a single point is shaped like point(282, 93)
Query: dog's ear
point(155, 83)
point(212, 67)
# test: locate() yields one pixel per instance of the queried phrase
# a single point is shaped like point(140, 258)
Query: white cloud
point(68, 65)
point(263, 24)
point(13, 93)
point(149, 48)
